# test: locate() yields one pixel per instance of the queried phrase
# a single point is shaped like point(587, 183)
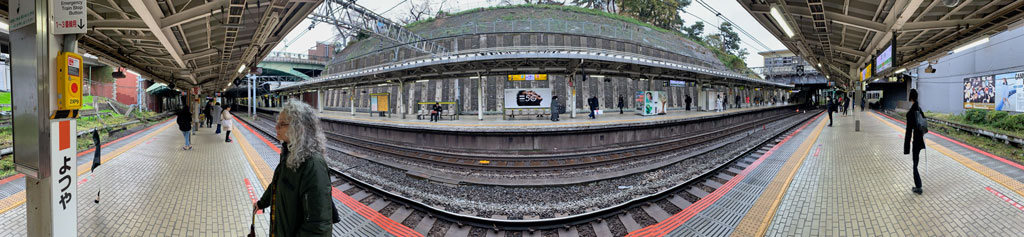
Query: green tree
point(661, 13)
point(694, 31)
point(730, 39)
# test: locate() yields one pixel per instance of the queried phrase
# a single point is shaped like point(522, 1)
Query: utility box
point(69, 82)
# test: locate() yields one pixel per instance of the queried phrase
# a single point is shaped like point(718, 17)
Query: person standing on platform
point(554, 108)
point(185, 125)
point(862, 104)
point(688, 101)
point(829, 108)
point(738, 105)
point(435, 112)
point(846, 107)
point(622, 103)
point(913, 140)
point(225, 117)
point(216, 115)
point(718, 103)
point(299, 194)
point(209, 116)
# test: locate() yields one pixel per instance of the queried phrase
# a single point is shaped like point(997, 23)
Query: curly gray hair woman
point(299, 196)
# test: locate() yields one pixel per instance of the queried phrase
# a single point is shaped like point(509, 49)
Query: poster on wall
point(379, 102)
point(1010, 92)
point(528, 98)
point(655, 102)
point(979, 93)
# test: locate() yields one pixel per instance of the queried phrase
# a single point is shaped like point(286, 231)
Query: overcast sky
point(695, 12)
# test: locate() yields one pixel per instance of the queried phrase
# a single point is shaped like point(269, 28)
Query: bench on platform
point(512, 113)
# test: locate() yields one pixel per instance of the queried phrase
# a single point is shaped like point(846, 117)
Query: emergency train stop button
point(74, 87)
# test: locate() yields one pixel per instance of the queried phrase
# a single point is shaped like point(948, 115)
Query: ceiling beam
point(926, 25)
point(895, 21)
point(194, 13)
point(850, 51)
point(856, 22)
point(146, 9)
point(114, 24)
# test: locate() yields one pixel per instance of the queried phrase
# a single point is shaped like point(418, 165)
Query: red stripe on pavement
point(271, 145)
point(12, 178)
point(1006, 199)
point(388, 224)
point(252, 194)
point(662, 228)
point(990, 155)
point(816, 151)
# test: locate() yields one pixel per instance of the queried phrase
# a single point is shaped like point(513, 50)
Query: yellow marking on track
point(1006, 181)
point(763, 210)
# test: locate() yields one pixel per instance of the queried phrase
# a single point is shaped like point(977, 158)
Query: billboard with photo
point(528, 98)
point(654, 102)
point(979, 93)
point(1009, 92)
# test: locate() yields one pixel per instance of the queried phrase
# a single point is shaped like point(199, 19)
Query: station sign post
point(46, 95)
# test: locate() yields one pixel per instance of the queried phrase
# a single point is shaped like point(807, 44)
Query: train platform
point(497, 123)
point(150, 187)
point(833, 181)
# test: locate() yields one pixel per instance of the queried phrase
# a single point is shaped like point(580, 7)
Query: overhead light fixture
point(241, 68)
point(384, 84)
point(971, 45)
point(782, 21)
point(819, 64)
point(418, 81)
point(929, 69)
point(901, 70)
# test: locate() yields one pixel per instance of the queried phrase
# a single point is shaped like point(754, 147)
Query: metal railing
point(296, 58)
point(577, 51)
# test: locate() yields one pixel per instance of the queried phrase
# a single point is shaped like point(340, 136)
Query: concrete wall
point(445, 91)
point(943, 91)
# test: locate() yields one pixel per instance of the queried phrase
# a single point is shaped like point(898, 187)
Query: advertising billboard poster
point(528, 77)
point(639, 102)
point(979, 93)
point(884, 60)
point(1010, 92)
point(655, 102)
point(528, 98)
point(379, 102)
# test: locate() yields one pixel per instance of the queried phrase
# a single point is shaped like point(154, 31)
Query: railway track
point(617, 220)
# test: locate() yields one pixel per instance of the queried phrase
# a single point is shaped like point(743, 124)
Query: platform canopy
point(840, 37)
point(188, 42)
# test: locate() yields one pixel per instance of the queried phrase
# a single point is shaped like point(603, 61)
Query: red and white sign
point(69, 17)
point(63, 177)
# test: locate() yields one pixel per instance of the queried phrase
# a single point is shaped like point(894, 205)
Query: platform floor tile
point(859, 183)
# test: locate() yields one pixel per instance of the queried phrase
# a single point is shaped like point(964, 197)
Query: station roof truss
point(845, 35)
point(188, 42)
point(497, 61)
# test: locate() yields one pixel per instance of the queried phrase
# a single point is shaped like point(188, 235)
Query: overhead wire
point(737, 26)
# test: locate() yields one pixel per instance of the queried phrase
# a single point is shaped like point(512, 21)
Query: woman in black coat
point(914, 138)
point(185, 125)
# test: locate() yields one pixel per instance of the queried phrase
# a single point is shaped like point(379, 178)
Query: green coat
point(299, 200)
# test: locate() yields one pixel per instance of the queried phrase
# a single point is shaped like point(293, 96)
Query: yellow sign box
point(69, 81)
point(528, 77)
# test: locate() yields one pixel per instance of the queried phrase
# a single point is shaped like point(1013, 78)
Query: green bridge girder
point(290, 69)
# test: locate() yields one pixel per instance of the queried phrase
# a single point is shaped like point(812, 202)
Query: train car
point(873, 96)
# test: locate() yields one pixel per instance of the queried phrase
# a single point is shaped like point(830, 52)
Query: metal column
point(34, 49)
point(480, 98)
